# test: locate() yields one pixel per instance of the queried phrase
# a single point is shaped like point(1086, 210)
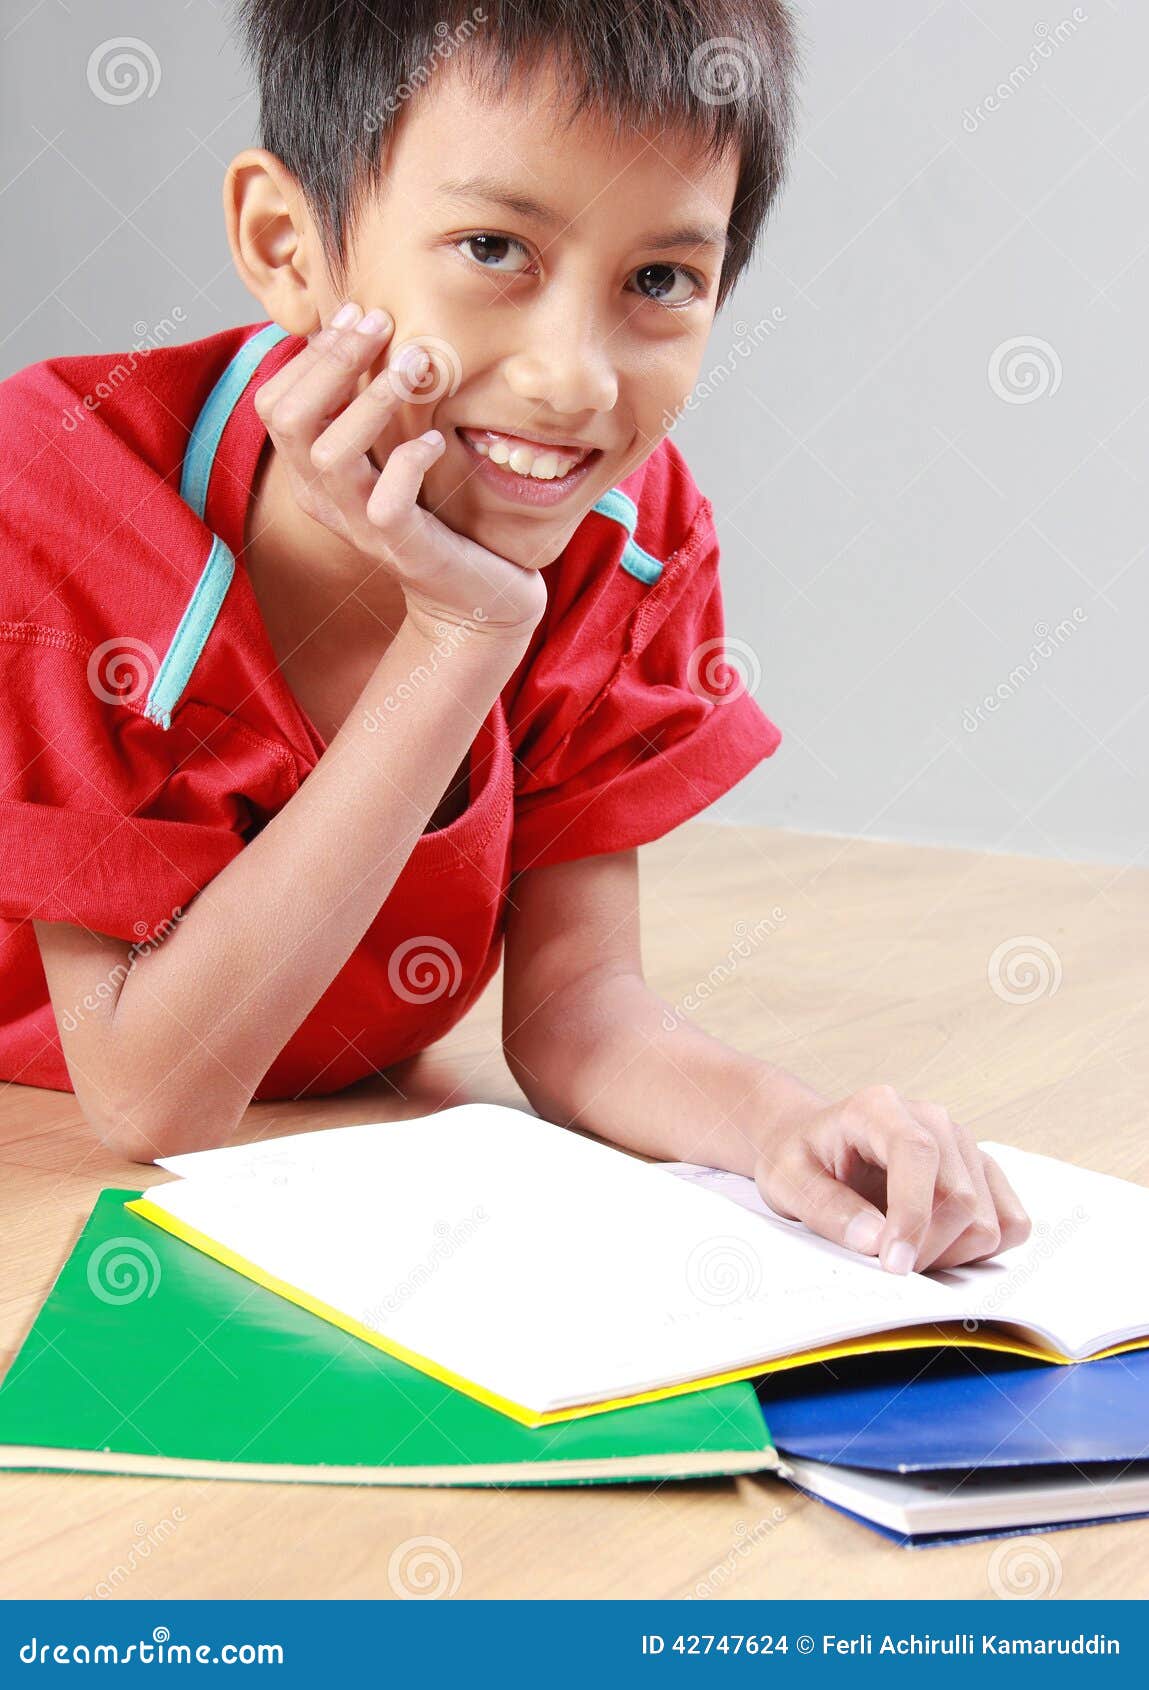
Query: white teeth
point(536, 463)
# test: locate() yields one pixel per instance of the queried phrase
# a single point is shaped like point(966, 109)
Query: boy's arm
point(191, 1028)
point(174, 1057)
point(590, 1044)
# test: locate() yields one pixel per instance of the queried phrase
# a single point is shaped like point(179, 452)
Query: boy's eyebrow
point(495, 193)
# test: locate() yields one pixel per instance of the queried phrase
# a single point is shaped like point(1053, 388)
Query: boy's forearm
point(614, 1059)
point(201, 1018)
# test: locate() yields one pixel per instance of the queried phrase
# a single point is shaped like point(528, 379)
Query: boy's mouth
point(527, 471)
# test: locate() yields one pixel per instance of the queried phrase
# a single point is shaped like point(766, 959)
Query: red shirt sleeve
point(661, 728)
point(107, 820)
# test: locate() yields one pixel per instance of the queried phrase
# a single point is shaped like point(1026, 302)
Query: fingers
point(324, 428)
point(1012, 1219)
point(798, 1186)
point(965, 1225)
point(326, 367)
point(946, 1203)
point(356, 429)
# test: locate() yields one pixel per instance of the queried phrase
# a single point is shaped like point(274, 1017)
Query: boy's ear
point(273, 239)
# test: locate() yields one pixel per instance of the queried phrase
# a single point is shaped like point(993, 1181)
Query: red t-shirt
point(148, 733)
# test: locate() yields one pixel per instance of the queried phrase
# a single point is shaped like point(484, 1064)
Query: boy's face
point(583, 328)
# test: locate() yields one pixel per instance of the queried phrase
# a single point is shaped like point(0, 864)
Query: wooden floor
point(877, 969)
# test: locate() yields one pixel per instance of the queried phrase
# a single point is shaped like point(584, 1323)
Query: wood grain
point(876, 969)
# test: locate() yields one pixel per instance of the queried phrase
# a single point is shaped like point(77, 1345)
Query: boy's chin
point(531, 542)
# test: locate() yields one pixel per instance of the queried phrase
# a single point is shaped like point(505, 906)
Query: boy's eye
point(661, 284)
point(656, 282)
point(493, 251)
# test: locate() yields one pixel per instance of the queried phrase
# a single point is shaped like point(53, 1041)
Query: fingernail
point(413, 362)
point(432, 437)
point(373, 323)
point(345, 315)
point(862, 1233)
point(899, 1257)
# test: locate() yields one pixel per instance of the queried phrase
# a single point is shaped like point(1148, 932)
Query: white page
point(993, 1501)
point(1079, 1279)
point(545, 1267)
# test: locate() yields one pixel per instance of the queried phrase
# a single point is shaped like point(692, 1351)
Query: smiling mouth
point(524, 471)
point(533, 459)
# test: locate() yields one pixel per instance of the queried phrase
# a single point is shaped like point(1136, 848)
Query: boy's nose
point(562, 359)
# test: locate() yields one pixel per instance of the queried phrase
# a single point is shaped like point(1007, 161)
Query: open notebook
point(551, 1276)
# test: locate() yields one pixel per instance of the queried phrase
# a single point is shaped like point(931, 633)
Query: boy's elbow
point(139, 1134)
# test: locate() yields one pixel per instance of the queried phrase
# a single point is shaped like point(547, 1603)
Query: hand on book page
point(894, 1177)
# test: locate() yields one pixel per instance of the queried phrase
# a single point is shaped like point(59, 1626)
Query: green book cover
point(149, 1357)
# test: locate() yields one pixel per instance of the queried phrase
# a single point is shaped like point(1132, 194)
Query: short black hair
point(333, 77)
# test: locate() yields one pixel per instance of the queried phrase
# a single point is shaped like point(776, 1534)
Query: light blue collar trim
point(203, 607)
point(217, 407)
point(621, 508)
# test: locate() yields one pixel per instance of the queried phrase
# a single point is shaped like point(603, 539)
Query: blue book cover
point(962, 1413)
point(916, 1410)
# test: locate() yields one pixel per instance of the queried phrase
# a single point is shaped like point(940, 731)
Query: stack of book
point(479, 1297)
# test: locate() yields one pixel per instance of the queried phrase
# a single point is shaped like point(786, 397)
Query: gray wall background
point(923, 419)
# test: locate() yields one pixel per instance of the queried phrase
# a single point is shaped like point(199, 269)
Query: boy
point(302, 735)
